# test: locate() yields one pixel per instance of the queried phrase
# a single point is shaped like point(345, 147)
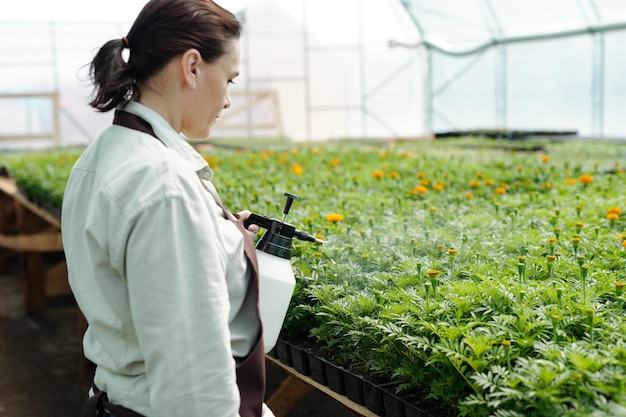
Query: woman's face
point(211, 94)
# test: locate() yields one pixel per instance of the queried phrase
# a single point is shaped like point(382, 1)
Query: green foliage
point(510, 325)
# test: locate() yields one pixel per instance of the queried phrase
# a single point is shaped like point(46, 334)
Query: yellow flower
point(334, 217)
point(394, 174)
point(296, 169)
point(545, 159)
point(586, 179)
point(550, 258)
point(570, 181)
point(474, 183)
point(407, 154)
point(551, 240)
point(433, 273)
point(452, 252)
point(469, 195)
point(615, 210)
point(489, 181)
point(424, 181)
point(378, 174)
point(500, 190)
point(421, 175)
point(624, 244)
point(438, 187)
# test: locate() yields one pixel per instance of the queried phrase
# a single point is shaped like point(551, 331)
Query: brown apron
point(250, 369)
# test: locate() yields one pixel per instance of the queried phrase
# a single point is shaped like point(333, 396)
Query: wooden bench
point(29, 231)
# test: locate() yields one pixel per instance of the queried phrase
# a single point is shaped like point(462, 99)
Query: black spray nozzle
point(277, 239)
point(281, 228)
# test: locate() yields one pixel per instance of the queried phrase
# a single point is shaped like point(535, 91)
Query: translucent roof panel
point(532, 64)
point(465, 21)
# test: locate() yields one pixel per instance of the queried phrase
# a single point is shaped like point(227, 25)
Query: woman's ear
point(190, 67)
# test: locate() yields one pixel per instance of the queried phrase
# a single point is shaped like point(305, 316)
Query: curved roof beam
point(449, 49)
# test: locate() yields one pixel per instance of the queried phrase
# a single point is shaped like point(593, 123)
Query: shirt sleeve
point(176, 272)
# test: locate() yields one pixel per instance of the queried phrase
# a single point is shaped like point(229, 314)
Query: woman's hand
point(253, 229)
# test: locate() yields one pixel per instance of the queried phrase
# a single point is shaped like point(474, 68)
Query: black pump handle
point(290, 198)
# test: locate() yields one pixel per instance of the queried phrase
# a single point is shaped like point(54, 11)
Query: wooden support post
point(34, 288)
point(7, 226)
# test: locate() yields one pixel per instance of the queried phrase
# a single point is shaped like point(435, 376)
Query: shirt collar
point(171, 138)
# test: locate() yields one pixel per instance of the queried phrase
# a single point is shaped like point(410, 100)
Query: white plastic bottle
point(276, 284)
point(276, 278)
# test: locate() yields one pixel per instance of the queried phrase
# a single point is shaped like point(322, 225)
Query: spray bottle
point(276, 278)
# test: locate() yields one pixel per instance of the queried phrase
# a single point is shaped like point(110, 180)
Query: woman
point(156, 264)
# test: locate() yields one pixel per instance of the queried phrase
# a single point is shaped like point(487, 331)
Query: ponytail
point(112, 77)
point(163, 29)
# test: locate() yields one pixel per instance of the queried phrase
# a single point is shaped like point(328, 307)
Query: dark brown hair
point(163, 30)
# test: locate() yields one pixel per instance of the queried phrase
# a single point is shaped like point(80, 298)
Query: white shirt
point(158, 272)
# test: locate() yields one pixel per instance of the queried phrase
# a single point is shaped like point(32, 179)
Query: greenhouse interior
point(446, 180)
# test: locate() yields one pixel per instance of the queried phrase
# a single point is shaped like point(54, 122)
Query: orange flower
point(615, 210)
point(334, 162)
point(469, 195)
point(474, 183)
point(296, 169)
point(438, 187)
point(378, 174)
point(419, 189)
point(612, 216)
point(500, 190)
point(545, 159)
point(586, 179)
point(334, 217)
point(394, 174)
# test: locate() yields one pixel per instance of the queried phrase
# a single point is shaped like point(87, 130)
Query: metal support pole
point(597, 85)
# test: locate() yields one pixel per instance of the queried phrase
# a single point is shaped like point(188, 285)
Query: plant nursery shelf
point(308, 370)
point(296, 386)
point(30, 231)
